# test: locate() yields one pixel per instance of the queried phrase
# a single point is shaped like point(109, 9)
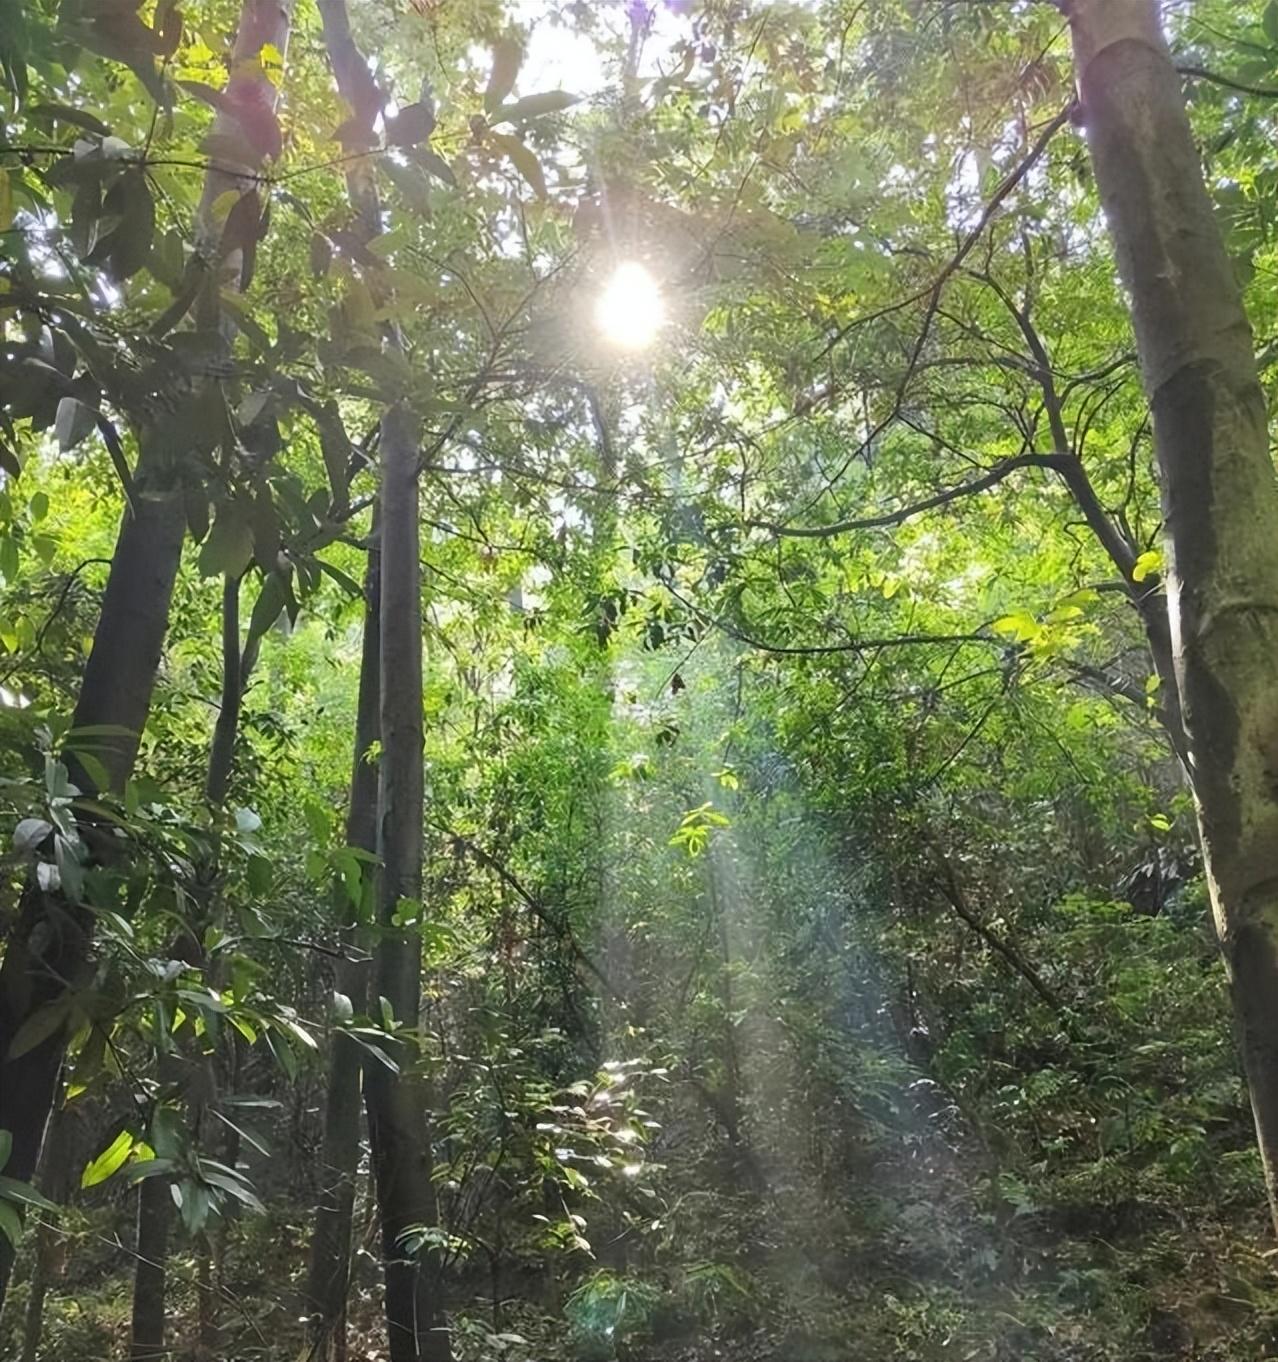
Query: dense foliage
point(813, 957)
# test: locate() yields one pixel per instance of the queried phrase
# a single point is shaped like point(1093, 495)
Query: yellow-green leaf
point(109, 1161)
point(1150, 562)
point(1019, 625)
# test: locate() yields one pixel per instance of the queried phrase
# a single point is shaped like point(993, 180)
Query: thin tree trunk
point(262, 23)
point(328, 1277)
point(56, 1184)
point(237, 666)
point(149, 1275)
point(155, 1205)
point(396, 1103)
point(1220, 499)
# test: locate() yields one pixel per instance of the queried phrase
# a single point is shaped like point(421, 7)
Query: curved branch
point(1058, 462)
point(1228, 82)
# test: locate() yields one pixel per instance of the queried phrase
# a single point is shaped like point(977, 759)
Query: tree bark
point(262, 23)
point(48, 950)
point(1220, 499)
point(56, 1183)
point(328, 1276)
point(398, 1125)
point(150, 1278)
point(396, 1103)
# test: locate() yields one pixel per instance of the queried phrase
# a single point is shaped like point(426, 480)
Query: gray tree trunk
point(1220, 498)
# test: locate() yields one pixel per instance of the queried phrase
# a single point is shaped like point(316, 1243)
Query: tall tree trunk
point(396, 1103)
point(262, 23)
point(48, 950)
point(328, 1276)
point(1220, 499)
point(150, 1281)
point(398, 1125)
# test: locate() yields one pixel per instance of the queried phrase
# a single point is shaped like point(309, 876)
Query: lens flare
point(630, 310)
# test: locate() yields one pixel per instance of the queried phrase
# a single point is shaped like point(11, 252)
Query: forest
point(638, 681)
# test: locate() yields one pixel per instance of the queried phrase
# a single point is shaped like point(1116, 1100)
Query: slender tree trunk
point(155, 1205)
point(328, 1277)
point(1220, 499)
point(56, 1184)
point(396, 1103)
point(149, 1273)
point(237, 666)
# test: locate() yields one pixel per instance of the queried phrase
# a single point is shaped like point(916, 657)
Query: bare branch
point(997, 474)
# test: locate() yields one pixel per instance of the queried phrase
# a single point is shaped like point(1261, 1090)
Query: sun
point(630, 311)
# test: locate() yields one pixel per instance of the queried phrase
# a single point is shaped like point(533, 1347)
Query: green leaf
point(508, 54)
point(64, 113)
point(142, 1169)
point(39, 1026)
point(336, 447)
point(109, 1161)
point(1020, 626)
point(6, 1146)
point(66, 855)
point(259, 874)
point(13, 1190)
point(126, 248)
point(318, 819)
point(535, 106)
point(434, 164)
point(73, 424)
point(413, 124)
point(243, 229)
point(1271, 21)
point(193, 1204)
point(29, 833)
point(228, 1180)
point(228, 550)
point(208, 94)
point(10, 1223)
point(522, 158)
point(270, 603)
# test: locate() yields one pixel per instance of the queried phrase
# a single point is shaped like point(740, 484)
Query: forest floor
point(1112, 1284)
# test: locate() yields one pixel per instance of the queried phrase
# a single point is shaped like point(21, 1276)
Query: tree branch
point(1215, 78)
point(1001, 470)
